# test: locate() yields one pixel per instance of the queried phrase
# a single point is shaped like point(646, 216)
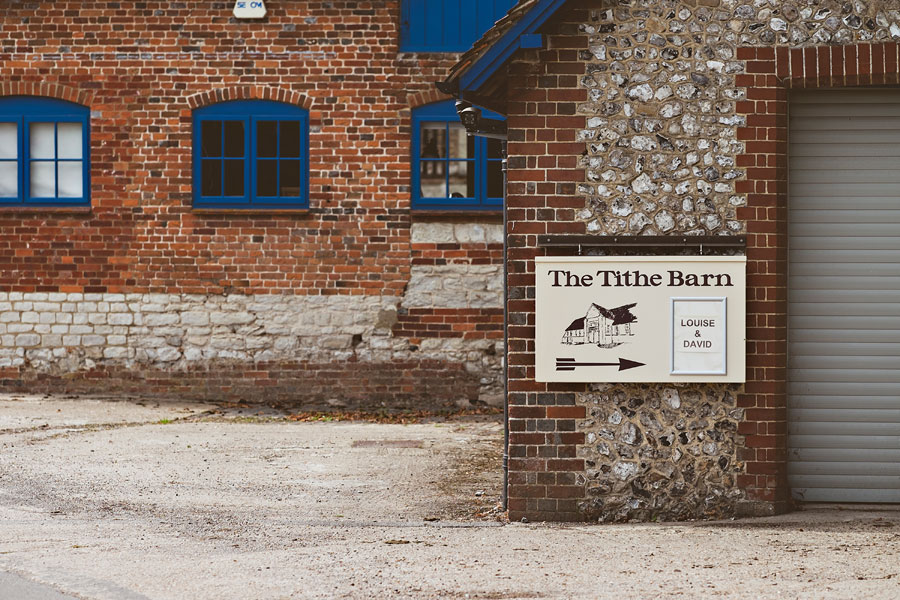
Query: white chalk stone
point(196, 318)
point(51, 341)
point(115, 352)
point(93, 340)
point(158, 319)
point(231, 318)
point(181, 330)
point(120, 319)
point(27, 340)
point(432, 233)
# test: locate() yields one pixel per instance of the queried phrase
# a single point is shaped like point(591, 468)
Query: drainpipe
point(504, 498)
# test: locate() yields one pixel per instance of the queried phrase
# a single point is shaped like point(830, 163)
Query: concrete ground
point(136, 500)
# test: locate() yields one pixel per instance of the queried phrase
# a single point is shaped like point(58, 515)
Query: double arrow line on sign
point(569, 364)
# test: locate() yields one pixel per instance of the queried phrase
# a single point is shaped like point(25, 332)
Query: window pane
point(43, 140)
point(43, 180)
point(69, 140)
point(234, 139)
point(234, 177)
point(9, 179)
point(290, 178)
point(461, 184)
point(70, 179)
point(211, 174)
point(461, 144)
point(433, 179)
point(494, 148)
point(266, 178)
point(495, 179)
point(434, 140)
point(9, 140)
point(267, 139)
point(290, 139)
point(211, 138)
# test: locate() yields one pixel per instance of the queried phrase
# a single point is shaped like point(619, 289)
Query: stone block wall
point(648, 117)
point(237, 347)
point(455, 295)
point(143, 293)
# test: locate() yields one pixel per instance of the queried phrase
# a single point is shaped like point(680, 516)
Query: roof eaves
point(499, 51)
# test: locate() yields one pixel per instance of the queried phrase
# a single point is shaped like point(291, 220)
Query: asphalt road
point(13, 587)
point(123, 501)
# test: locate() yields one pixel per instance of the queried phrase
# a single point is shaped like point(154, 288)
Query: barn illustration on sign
point(607, 328)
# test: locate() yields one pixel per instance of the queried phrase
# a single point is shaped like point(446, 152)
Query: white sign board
point(640, 319)
point(249, 9)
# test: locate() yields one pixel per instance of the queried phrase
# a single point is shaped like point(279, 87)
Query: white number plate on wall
point(641, 319)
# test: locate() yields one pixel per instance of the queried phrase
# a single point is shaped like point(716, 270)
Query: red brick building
point(203, 206)
point(770, 123)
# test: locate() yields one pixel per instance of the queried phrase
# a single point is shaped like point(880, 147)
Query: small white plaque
point(249, 9)
point(699, 336)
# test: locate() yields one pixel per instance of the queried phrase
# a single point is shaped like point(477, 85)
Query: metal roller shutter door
point(844, 296)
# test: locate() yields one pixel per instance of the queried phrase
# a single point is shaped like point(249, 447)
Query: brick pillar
point(771, 73)
point(546, 478)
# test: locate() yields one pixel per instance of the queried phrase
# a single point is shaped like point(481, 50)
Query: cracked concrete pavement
point(127, 500)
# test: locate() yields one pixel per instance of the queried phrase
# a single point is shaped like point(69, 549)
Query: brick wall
point(771, 73)
point(651, 118)
point(142, 67)
point(546, 474)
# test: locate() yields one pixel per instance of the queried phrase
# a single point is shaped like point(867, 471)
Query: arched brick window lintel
point(217, 95)
point(47, 90)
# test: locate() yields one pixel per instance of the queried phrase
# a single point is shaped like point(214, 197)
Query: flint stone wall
point(660, 454)
point(661, 119)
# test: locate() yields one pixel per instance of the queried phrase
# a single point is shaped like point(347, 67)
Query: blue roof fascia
point(530, 41)
point(501, 50)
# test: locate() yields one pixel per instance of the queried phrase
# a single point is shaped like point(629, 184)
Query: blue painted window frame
point(24, 111)
point(447, 25)
point(251, 113)
point(445, 112)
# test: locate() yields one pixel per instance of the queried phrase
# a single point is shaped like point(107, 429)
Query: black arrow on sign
point(569, 364)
